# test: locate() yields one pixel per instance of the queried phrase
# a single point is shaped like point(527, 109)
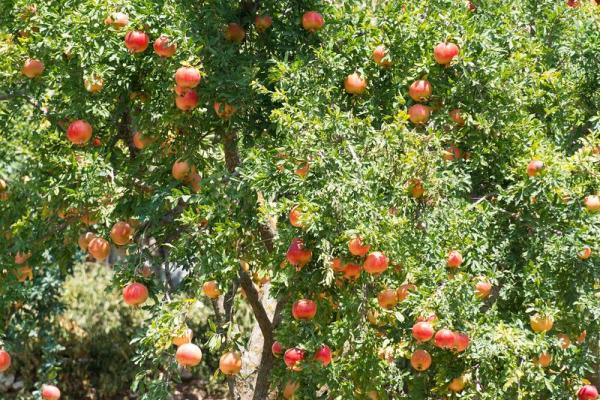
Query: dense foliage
point(481, 218)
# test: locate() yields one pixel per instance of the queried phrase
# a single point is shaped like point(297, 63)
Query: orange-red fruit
point(444, 53)
point(376, 263)
point(563, 340)
point(295, 217)
point(187, 101)
point(136, 41)
point(277, 349)
point(337, 265)
point(419, 114)
point(135, 293)
point(234, 33)
point(50, 392)
point(323, 355)
point(164, 47)
point(183, 339)
point(540, 323)
point(139, 141)
point(585, 253)
point(404, 290)
point(534, 167)
point(456, 116)
point(379, 55)
point(302, 171)
point(79, 132)
point(588, 392)
point(187, 77)
point(461, 341)
point(457, 384)
point(188, 355)
point(312, 21)
point(304, 309)
point(293, 357)
point(354, 84)
point(452, 153)
point(181, 170)
point(263, 22)
point(422, 331)
point(118, 20)
point(444, 339)
point(352, 271)
point(483, 289)
point(545, 359)
point(387, 298)
point(455, 259)
point(420, 90)
point(32, 68)
point(298, 254)
point(592, 203)
point(224, 110)
point(211, 289)
point(85, 239)
point(230, 363)
point(356, 247)
point(289, 391)
point(420, 360)
point(99, 248)
point(416, 188)
point(5, 360)
point(121, 233)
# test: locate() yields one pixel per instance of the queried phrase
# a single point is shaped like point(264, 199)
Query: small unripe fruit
point(135, 294)
point(136, 41)
point(312, 21)
point(32, 68)
point(188, 355)
point(79, 132)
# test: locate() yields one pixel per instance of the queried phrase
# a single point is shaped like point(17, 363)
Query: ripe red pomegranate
point(461, 341)
point(444, 339)
point(188, 101)
point(592, 203)
point(323, 355)
point(187, 77)
point(164, 47)
point(277, 349)
point(234, 33)
point(230, 363)
point(456, 116)
point(588, 392)
point(79, 132)
point(352, 271)
point(263, 22)
point(420, 360)
point(5, 360)
point(354, 84)
point(534, 167)
point(297, 254)
point(444, 53)
point(136, 41)
point(455, 259)
point(135, 294)
point(32, 68)
point(188, 355)
point(312, 21)
point(304, 309)
point(419, 114)
point(376, 263)
point(420, 90)
point(50, 392)
point(387, 298)
point(379, 56)
point(99, 248)
point(356, 247)
point(422, 331)
point(121, 233)
point(293, 357)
